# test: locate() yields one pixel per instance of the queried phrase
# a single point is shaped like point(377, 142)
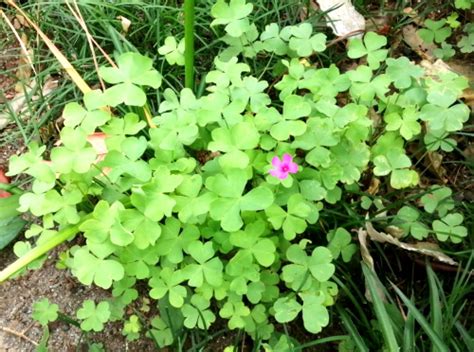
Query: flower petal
point(278, 173)
point(276, 162)
point(292, 168)
point(287, 158)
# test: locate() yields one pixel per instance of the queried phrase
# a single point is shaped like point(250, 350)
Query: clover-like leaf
point(371, 46)
point(197, 313)
point(167, 281)
point(208, 267)
point(134, 70)
point(315, 314)
point(75, 155)
point(286, 309)
point(435, 31)
point(445, 89)
point(233, 15)
point(438, 199)
point(44, 312)
point(340, 244)
point(402, 71)
point(445, 119)
point(466, 44)
point(449, 227)
point(236, 311)
point(88, 268)
point(396, 163)
point(93, 317)
point(407, 220)
point(405, 122)
point(173, 51)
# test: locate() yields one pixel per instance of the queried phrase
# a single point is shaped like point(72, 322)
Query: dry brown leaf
point(411, 37)
point(374, 186)
point(435, 162)
point(125, 22)
point(367, 259)
point(429, 249)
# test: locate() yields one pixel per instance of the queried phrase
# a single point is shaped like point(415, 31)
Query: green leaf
point(401, 71)
point(449, 227)
point(340, 244)
point(197, 313)
point(173, 51)
point(93, 317)
point(88, 268)
point(406, 219)
point(435, 31)
point(45, 312)
point(315, 314)
point(286, 309)
point(439, 198)
point(133, 68)
point(445, 119)
point(232, 14)
point(370, 46)
point(466, 44)
point(320, 264)
point(407, 122)
point(258, 198)
point(131, 328)
point(168, 282)
point(444, 90)
point(242, 136)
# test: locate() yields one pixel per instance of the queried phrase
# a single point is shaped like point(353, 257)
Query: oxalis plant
point(216, 209)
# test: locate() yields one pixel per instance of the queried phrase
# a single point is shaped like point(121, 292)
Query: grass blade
point(435, 339)
point(435, 304)
point(466, 337)
point(189, 44)
point(409, 333)
point(383, 318)
point(352, 330)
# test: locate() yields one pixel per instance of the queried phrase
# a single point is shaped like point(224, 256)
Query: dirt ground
point(18, 331)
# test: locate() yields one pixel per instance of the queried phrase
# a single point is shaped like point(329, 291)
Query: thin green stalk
point(189, 44)
point(38, 251)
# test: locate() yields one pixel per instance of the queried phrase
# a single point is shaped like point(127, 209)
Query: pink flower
point(283, 167)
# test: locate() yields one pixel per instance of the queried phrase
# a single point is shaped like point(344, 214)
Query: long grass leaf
point(466, 337)
point(435, 339)
point(382, 316)
point(352, 330)
point(409, 333)
point(435, 305)
point(67, 66)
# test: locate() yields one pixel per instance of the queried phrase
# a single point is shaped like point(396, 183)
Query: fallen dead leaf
point(125, 22)
point(411, 37)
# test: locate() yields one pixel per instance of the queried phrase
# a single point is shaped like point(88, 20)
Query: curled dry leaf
point(425, 248)
point(125, 22)
point(411, 37)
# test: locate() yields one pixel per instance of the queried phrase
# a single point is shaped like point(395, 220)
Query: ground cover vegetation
point(273, 181)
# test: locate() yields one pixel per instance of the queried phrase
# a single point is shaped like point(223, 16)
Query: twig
point(20, 42)
point(18, 334)
point(78, 16)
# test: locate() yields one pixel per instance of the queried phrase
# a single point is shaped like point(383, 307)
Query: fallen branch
point(18, 334)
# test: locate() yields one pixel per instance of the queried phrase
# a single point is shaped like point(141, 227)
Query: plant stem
point(189, 44)
point(38, 251)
